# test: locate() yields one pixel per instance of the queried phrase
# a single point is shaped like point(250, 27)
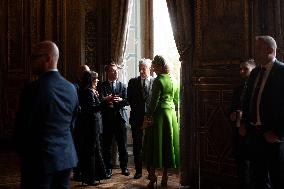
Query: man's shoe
point(125, 172)
point(108, 173)
point(137, 175)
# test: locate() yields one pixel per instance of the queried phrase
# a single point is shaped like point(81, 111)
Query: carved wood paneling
point(95, 34)
point(71, 36)
point(214, 133)
point(221, 32)
point(3, 61)
point(222, 39)
point(15, 36)
point(90, 37)
point(14, 67)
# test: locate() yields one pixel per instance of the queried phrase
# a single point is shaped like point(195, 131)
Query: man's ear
point(270, 50)
point(49, 59)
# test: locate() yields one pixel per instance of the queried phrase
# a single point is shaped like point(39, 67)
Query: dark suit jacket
point(272, 99)
point(90, 112)
point(137, 101)
point(120, 89)
point(44, 123)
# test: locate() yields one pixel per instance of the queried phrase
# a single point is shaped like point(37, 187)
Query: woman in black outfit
point(89, 130)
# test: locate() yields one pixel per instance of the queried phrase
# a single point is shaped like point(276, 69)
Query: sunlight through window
point(164, 43)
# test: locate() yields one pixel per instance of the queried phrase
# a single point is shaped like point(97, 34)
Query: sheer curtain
point(182, 20)
point(121, 12)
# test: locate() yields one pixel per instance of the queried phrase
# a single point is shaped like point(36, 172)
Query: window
point(133, 45)
point(164, 43)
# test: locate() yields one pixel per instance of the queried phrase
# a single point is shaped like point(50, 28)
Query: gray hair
point(145, 61)
point(268, 40)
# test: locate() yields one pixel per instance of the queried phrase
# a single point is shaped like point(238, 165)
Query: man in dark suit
point(264, 116)
point(138, 96)
point(48, 108)
point(113, 94)
point(240, 142)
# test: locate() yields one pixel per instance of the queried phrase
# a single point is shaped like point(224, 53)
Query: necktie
point(144, 89)
point(244, 89)
point(255, 95)
point(113, 88)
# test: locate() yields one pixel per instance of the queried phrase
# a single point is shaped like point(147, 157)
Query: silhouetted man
point(114, 99)
point(138, 96)
point(46, 116)
point(264, 116)
point(239, 132)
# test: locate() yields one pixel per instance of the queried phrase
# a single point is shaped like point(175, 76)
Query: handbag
point(147, 122)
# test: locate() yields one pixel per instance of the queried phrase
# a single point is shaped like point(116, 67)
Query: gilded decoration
point(221, 31)
point(90, 37)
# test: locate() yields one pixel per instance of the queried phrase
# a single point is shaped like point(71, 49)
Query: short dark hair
point(109, 65)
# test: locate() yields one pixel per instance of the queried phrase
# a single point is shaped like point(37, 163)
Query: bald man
point(47, 111)
point(264, 116)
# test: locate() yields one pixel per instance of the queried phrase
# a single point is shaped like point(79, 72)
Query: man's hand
point(233, 116)
point(117, 98)
point(271, 137)
point(109, 99)
point(242, 130)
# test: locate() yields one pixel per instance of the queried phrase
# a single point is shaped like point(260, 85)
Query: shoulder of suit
point(277, 62)
point(133, 79)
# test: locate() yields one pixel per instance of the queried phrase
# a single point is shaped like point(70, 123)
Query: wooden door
point(222, 39)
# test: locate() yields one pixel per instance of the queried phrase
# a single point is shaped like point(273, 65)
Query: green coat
point(161, 141)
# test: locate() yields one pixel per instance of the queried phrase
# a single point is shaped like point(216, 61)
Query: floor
point(10, 175)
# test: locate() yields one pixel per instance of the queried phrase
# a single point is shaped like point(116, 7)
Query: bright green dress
point(161, 140)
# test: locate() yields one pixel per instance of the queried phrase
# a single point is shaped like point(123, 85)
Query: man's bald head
point(45, 57)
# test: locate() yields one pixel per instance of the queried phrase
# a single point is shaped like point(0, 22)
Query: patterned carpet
point(10, 176)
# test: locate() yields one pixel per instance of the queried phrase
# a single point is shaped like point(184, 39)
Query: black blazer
point(46, 117)
point(90, 115)
point(104, 89)
point(137, 101)
point(272, 99)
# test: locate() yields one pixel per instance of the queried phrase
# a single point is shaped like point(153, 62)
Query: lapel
point(269, 84)
point(139, 85)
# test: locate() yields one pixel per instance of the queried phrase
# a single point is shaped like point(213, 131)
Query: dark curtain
point(182, 20)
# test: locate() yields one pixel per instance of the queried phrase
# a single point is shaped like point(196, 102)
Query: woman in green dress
point(161, 141)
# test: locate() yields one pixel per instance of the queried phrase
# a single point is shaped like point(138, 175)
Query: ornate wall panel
point(222, 39)
point(15, 36)
point(71, 36)
point(95, 34)
point(222, 31)
point(14, 68)
point(90, 37)
point(3, 60)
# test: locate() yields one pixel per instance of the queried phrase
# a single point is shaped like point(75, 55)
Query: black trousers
point(114, 126)
point(39, 180)
point(137, 136)
point(240, 147)
point(267, 161)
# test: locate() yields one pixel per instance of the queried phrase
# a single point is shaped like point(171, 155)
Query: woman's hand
point(147, 122)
